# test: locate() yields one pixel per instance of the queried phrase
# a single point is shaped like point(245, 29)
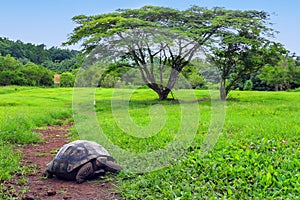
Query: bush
point(13, 72)
point(109, 81)
point(248, 85)
point(67, 79)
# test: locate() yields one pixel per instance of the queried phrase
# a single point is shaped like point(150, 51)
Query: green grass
point(9, 160)
point(141, 114)
point(256, 157)
point(23, 109)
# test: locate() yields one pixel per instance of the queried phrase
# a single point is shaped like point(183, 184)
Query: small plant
point(248, 85)
point(22, 180)
point(62, 191)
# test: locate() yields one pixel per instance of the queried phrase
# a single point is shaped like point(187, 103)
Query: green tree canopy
point(281, 75)
point(67, 79)
point(13, 72)
point(55, 59)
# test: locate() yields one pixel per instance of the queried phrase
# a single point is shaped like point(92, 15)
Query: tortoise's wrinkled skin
point(81, 160)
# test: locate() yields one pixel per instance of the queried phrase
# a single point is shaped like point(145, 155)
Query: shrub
point(248, 85)
point(67, 79)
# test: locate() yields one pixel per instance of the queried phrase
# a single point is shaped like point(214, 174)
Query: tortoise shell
point(75, 154)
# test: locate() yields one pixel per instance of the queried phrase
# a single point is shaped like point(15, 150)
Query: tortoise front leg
point(108, 165)
point(84, 172)
point(47, 174)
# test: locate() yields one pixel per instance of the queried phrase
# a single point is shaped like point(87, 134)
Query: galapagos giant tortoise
point(81, 160)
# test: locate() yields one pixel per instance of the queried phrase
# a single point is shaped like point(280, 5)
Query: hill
point(54, 58)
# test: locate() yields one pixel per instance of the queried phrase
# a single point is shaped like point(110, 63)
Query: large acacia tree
point(203, 28)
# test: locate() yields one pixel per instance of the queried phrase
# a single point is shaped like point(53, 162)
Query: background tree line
point(55, 59)
point(14, 72)
point(28, 64)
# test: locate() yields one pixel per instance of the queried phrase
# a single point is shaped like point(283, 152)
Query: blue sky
point(49, 21)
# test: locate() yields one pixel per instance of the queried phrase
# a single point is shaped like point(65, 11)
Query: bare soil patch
point(36, 156)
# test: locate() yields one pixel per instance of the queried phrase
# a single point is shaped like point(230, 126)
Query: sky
point(49, 21)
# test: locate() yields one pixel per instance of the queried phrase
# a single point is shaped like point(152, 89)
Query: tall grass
point(9, 161)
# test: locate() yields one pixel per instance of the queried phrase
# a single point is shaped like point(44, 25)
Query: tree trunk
point(163, 94)
point(160, 90)
point(223, 93)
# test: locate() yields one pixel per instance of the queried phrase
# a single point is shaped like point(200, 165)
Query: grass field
point(256, 157)
point(21, 110)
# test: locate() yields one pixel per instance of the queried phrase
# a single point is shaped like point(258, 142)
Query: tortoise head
point(108, 164)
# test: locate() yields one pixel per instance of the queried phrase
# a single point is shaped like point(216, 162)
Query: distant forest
point(55, 59)
point(34, 65)
point(28, 64)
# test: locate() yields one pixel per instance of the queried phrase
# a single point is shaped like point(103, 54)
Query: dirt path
point(36, 156)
